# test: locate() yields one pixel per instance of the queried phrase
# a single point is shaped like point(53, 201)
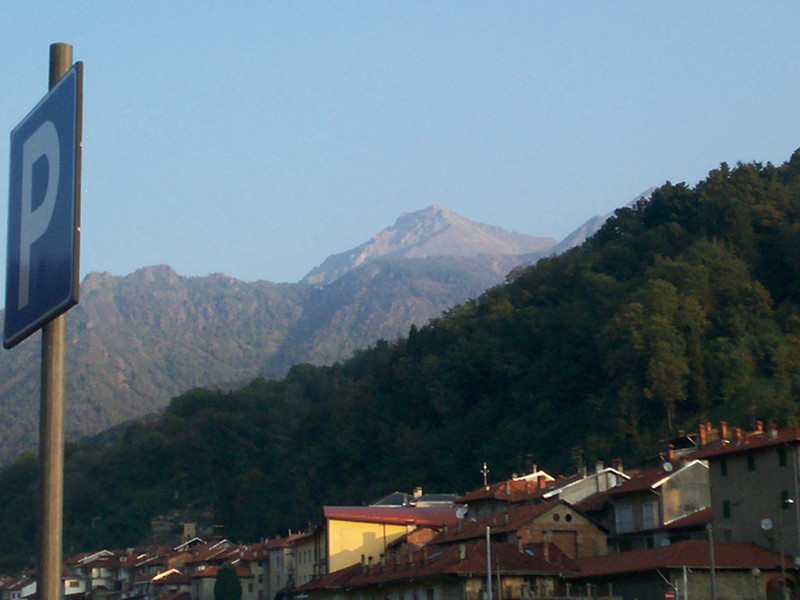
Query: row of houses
point(714, 516)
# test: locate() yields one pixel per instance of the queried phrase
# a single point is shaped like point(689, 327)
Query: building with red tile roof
point(741, 570)
point(353, 532)
point(755, 484)
point(553, 521)
point(203, 582)
point(455, 571)
point(636, 511)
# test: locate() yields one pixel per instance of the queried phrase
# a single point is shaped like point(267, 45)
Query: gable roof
point(242, 571)
point(433, 516)
point(654, 477)
point(695, 519)
point(689, 553)
point(512, 490)
point(459, 559)
point(749, 441)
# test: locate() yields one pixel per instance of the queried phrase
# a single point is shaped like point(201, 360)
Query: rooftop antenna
point(485, 472)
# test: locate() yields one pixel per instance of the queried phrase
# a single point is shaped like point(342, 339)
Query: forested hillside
point(135, 341)
point(683, 308)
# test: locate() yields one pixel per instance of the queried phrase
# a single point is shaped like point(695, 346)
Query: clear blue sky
point(257, 138)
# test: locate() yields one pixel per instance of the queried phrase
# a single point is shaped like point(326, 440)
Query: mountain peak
point(432, 231)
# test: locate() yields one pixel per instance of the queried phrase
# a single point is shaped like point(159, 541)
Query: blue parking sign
point(44, 211)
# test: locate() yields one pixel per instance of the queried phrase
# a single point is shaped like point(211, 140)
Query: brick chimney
point(542, 481)
point(701, 435)
point(759, 426)
point(617, 464)
point(737, 435)
point(670, 451)
point(723, 430)
point(772, 431)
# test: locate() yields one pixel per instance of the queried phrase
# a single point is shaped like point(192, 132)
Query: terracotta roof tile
point(695, 519)
point(510, 520)
point(652, 477)
point(514, 490)
point(691, 553)
point(447, 560)
point(435, 516)
point(242, 571)
point(749, 441)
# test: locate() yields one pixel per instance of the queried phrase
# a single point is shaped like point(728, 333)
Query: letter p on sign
point(44, 211)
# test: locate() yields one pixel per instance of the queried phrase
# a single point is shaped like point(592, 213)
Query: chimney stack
point(723, 430)
point(701, 434)
point(598, 466)
point(617, 464)
point(759, 426)
point(772, 431)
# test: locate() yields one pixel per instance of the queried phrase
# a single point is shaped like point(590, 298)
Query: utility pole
point(711, 562)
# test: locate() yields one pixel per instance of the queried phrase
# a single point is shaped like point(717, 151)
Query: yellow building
point(309, 556)
point(354, 532)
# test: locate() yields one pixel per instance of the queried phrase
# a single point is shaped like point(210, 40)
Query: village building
point(638, 512)
point(684, 570)
point(448, 572)
point(554, 522)
point(354, 533)
point(754, 485)
point(203, 582)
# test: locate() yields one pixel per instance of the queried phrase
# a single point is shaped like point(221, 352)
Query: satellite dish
point(766, 524)
point(461, 512)
point(667, 466)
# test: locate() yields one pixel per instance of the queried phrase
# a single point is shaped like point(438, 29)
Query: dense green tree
point(227, 585)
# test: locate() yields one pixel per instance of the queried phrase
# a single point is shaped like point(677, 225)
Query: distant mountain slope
point(136, 341)
point(592, 226)
point(434, 231)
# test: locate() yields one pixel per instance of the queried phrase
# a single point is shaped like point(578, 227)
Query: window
point(726, 509)
point(781, 456)
point(723, 467)
point(624, 519)
point(751, 462)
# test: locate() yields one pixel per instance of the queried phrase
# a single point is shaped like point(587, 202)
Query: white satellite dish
point(462, 512)
point(667, 466)
point(766, 524)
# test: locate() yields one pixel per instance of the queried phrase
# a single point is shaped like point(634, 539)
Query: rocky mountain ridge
point(434, 231)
